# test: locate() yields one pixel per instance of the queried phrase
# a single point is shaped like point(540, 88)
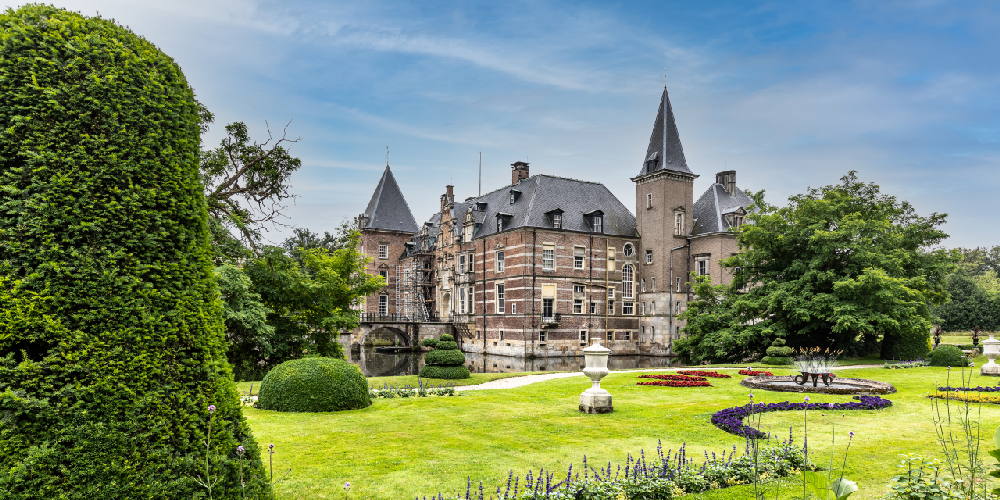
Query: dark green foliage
point(446, 345)
point(778, 353)
point(313, 385)
point(445, 361)
point(970, 305)
point(838, 268)
point(429, 342)
point(445, 372)
point(947, 355)
point(249, 335)
point(449, 357)
point(111, 331)
point(911, 345)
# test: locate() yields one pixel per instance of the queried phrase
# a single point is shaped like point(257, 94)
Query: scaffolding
point(411, 280)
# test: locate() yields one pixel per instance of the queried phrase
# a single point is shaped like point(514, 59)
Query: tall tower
point(664, 216)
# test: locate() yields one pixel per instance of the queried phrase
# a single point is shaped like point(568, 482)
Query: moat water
point(376, 364)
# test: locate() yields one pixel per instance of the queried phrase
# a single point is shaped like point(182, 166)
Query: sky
point(791, 95)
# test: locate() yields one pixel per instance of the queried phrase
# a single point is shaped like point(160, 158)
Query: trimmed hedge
point(448, 357)
point(445, 361)
point(429, 342)
point(111, 342)
point(314, 385)
point(445, 372)
point(778, 353)
point(910, 345)
point(947, 355)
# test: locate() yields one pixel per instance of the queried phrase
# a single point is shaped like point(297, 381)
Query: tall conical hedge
point(111, 340)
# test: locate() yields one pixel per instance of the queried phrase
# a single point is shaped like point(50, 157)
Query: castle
point(548, 265)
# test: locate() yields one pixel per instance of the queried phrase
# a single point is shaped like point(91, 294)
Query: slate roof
point(540, 195)
point(665, 148)
point(388, 209)
point(712, 205)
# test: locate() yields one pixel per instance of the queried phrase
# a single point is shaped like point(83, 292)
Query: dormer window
point(596, 220)
point(511, 197)
point(503, 221)
point(555, 218)
point(514, 195)
point(652, 162)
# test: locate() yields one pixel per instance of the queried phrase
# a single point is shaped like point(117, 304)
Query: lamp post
point(595, 399)
point(991, 349)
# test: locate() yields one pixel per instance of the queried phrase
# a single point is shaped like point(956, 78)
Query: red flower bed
point(674, 377)
point(702, 373)
point(677, 383)
point(755, 373)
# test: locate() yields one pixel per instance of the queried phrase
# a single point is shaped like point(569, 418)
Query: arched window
point(629, 250)
point(627, 284)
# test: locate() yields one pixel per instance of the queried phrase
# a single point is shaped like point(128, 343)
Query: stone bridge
point(405, 331)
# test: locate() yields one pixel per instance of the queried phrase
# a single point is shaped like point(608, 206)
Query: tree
point(971, 304)
point(842, 267)
point(111, 331)
point(247, 330)
point(245, 184)
point(311, 301)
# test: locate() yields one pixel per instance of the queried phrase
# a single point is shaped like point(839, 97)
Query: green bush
point(446, 345)
point(778, 353)
point(911, 345)
point(448, 357)
point(445, 372)
point(445, 361)
point(112, 344)
point(429, 342)
point(947, 355)
point(313, 385)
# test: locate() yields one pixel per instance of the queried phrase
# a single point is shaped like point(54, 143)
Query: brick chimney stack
point(518, 172)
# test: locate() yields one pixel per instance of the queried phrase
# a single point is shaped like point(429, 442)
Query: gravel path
point(512, 382)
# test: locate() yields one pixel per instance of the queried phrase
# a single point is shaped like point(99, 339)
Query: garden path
point(513, 382)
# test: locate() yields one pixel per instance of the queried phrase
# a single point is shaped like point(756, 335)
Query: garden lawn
point(401, 380)
point(404, 448)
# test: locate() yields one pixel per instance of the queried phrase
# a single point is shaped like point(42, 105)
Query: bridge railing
point(395, 318)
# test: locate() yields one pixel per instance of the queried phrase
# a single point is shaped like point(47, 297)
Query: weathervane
point(387, 156)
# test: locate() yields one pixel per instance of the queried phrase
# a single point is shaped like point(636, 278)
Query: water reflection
point(375, 364)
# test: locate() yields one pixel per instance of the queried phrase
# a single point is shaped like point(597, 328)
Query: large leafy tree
point(842, 267)
point(971, 304)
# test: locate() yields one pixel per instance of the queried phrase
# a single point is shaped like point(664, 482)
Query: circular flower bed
point(674, 377)
point(756, 373)
point(675, 381)
point(731, 419)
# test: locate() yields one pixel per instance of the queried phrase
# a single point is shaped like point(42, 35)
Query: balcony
point(551, 321)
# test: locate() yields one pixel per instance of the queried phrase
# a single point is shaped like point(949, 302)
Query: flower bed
point(678, 383)
point(675, 377)
point(957, 395)
point(756, 373)
point(912, 363)
point(969, 389)
point(731, 419)
point(702, 373)
point(666, 476)
point(422, 389)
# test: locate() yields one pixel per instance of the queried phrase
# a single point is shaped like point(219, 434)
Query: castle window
point(541, 336)
point(649, 201)
point(557, 220)
point(461, 300)
point(548, 257)
point(500, 262)
point(653, 284)
point(513, 307)
point(598, 224)
point(578, 254)
point(629, 250)
point(511, 197)
point(583, 335)
point(677, 288)
point(643, 282)
point(627, 282)
point(500, 299)
point(701, 266)
point(383, 251)
point(577, 306)
point(383, 305)
point(679, 223)
point(461, 264)
point(649, 256)
point(628, 308)
point(547, 308)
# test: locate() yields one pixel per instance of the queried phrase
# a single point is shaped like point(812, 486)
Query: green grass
point(400, 380)
point(401, 448)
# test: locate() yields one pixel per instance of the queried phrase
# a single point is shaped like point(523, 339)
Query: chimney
point(728, 180)
point(451, 193)
point(518, 172)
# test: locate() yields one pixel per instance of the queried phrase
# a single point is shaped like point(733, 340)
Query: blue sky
point(789, 94)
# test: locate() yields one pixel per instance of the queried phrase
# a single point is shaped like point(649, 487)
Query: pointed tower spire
point(388, 209)
point(665, 151)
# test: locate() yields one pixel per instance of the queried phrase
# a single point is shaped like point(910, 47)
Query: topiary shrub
point(429, 342)
point(910, 345)
point(778, 353)
point(947, 355)
point(111, 343)
point(314, 385)
point(445, 361)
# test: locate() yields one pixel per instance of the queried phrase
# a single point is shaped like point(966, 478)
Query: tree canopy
point(842, 266)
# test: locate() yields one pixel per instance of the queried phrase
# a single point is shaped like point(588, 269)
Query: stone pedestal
point(595, 399)
point(991, 348)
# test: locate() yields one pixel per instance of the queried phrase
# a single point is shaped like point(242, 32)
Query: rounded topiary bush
point(429, 342)
point(778, 353)
point(947, 355)
point(445, 361)
point(112, 344)
point(909, 345)
point(314, 385)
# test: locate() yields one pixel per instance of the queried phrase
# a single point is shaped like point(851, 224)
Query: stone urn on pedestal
point(991, 349)
point(595, 399)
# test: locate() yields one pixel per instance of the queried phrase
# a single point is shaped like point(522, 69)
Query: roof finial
point(664, 78)
point(387, 156)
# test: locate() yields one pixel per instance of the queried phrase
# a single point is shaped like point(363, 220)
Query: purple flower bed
point(731, 419)
point(970, 389)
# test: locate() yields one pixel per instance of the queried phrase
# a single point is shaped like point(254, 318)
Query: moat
point(374, 364)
